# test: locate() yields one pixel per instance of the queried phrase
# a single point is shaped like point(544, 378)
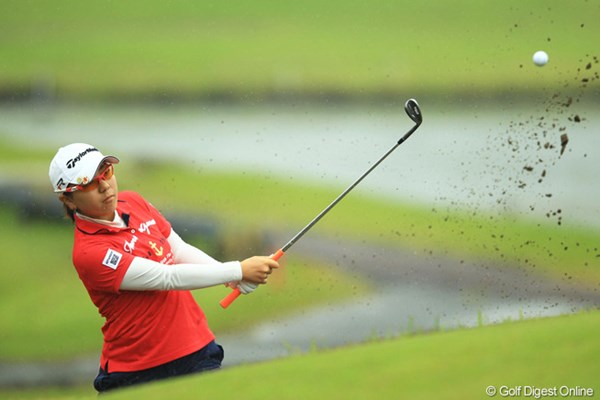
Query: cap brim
point(109, 159)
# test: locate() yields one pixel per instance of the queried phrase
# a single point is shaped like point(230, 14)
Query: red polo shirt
point(143, 329)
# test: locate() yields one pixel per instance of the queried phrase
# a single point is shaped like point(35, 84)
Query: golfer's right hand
point(257, 269)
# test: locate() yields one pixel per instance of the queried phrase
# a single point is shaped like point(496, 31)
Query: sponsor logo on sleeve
point(112, 259)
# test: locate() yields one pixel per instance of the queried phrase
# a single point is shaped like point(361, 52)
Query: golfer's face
point(100, 201)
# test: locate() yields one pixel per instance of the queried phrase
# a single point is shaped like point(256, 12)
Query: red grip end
point(230, 298)
point(277, 255)
point(235, 293)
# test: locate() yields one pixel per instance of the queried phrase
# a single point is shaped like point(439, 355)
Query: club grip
point(235, 293)
point(230, 298)
point(277, 255)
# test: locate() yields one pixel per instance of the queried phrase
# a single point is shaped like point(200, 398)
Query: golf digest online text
point(539, 392)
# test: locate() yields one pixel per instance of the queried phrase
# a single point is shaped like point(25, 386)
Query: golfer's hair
point(68, 212)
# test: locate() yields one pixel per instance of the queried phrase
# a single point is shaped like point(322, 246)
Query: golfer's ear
point(67, 201)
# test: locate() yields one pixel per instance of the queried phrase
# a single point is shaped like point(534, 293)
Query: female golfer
point(138, 272)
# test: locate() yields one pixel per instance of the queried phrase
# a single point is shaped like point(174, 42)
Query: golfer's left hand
point(246, 287)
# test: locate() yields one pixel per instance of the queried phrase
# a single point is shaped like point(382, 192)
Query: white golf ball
point(540, 58)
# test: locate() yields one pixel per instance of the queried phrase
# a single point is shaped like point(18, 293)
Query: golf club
point(414, 112)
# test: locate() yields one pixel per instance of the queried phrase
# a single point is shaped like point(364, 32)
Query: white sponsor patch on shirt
point(112, 259)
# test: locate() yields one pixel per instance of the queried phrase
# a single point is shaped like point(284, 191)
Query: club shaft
point(236, 292)
point(337, 200)
point(412, 109)
point(345, 192)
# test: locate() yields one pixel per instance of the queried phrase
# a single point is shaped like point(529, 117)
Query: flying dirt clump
point(564, 139)
point(537, 142)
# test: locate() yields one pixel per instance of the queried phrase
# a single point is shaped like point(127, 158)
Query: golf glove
point(246, 287)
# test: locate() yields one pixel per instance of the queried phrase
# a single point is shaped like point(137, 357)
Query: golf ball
point(540, 58)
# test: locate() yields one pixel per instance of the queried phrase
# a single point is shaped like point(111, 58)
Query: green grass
point(459, 364)
point(46, 312)
point(17, 154)
point(183, 48)
point(52, 393)
point(545, 353)
point(451, 365)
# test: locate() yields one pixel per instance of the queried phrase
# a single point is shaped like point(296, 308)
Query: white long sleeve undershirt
point(193, 269)
point(144, 274)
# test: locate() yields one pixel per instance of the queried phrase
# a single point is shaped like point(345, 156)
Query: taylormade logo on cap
point(71, 163)
point(76, 164)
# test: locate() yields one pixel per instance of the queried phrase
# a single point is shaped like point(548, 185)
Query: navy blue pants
point(205, 359)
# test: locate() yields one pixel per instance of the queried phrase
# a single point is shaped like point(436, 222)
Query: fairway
point(149, 50)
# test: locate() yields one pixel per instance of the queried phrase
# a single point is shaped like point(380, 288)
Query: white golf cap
point(76, 164)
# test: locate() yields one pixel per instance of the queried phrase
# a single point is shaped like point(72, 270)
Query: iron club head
point(414, 112)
